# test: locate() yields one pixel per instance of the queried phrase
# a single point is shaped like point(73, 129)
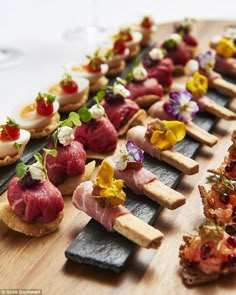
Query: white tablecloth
point(37, 26)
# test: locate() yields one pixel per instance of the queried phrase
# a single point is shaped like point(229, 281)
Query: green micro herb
point(21, 168)
point(12, 122)
point(46, 97)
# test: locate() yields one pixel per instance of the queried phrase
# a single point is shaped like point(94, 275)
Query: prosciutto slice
point(146, 87)
point(135, 179)
point(84, 200)
point(119, 113)
point(157, 111)
point(137, 135)
point(99, 135)
point(225, 65)
point(70, 161)
point(42, 203)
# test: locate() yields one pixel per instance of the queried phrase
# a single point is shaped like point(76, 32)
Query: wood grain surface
point(40, 263)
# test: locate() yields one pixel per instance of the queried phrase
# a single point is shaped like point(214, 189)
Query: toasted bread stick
point(224, 87)
point(138, 231)
point(180, 162)
point(200, 134)
point(164, 195)
point(219, 111)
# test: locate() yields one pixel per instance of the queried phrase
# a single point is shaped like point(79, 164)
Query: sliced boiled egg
point(27, 117)
point(64, 98)
point(80, 70)
point(9, 148)
point(137, 37)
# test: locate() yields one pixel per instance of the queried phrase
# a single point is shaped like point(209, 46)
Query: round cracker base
point(10, 160)
point(70, 184)
point(40, 133)
point(146, 101)
point(133, 52)
point(75, 106)
point(34, 229)
point(100, 83)
point(113, 71)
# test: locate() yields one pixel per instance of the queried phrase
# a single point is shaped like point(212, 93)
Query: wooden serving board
point(42, 261)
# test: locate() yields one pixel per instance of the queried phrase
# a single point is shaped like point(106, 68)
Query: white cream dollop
point(65, 135)
point(120, 89)
point(156, 54)
point(176, 37)
point(97, 111)
point(36, 171)
point(191, 67)
point(140, 73)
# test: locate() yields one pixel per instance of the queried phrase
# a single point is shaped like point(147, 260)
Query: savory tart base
point(76, 105)
point(12, 159)
point(34, 229)
point(100, 83)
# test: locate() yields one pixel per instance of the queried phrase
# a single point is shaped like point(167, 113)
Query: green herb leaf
point(38, 157)
point(99, 96)
point(51, 152)
point(12, 122)
point(84, 114)
point(75, 118)
point(17, 145)
point(20, 170)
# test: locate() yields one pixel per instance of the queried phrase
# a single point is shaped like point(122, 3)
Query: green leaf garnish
point(12, 122)
point(20, 170)
point(38, 157)
point(46, 96)
point(84, 114)
point(99, 96)
point(52, 152)
point(74, 118)
point(17, 145)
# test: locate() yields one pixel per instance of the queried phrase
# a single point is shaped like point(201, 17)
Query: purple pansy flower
point(128, 152)
point(206, 60)
point(180, 106)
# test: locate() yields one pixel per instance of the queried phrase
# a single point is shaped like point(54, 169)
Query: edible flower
point(230, 33)
point(180, 106)
point(207, 61)
point(197, 85)
point(110, 188)
point(226, 48)
point(64, 133)
point(166, 134)
point(129, 155)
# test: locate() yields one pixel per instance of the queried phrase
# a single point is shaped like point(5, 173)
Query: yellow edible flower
point(226, 47)
point(197, 85)
point(110, 188)
point(170, 133)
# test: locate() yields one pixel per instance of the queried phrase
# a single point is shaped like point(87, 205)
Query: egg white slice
point(32, 120)
point(137, 37)
point(64, 98)
point(79, 70)
point(7, 147)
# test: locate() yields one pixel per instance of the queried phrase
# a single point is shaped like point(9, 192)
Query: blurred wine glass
point(90, 32)
point(10, 57)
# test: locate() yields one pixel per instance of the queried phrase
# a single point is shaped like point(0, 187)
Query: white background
point(37, 26)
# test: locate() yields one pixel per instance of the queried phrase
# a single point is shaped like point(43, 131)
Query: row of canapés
point(211, 252)
point(35, 195)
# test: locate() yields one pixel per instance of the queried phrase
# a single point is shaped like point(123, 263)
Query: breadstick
point(138, 231)
point(219, 111)
point(200, 134)
point(224, 87)
point(179, 161)
point(164, 195)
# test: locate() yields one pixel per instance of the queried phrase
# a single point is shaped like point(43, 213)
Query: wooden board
point(42, 260)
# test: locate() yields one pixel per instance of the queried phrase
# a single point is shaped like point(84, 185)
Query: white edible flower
point(121, 157)
point(97, 111)
point(36, 171)
point(120, 89)
point(156, 54)
point(191, 67)
point(207, 60)
point(140, 73)
point(65, 135)
point(176, 37)
point(230, 33)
